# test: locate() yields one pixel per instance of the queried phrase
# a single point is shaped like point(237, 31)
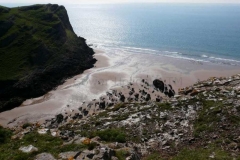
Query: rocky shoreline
point(203, 121)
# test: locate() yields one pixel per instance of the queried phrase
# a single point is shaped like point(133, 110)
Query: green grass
point(4, 135)
point(32, 29)
point(153, 156)
point(164, 106)
point(35, 41)
point(108, 135)
point(118, 106)
point(26, 125)
point(193, 154)
point(9, 150)
point(207, 118)
point(122, 154)
point(202, 154)
point(112, 135)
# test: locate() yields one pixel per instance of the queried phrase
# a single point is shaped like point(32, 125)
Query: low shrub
point(111, 135)
point(5, 134)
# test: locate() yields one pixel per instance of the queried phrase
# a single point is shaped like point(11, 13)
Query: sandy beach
point(113, 71)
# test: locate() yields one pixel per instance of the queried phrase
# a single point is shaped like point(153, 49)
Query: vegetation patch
point(200, 154)
point(45, 143)
point(164, 106)
point(118, 106)
point(35, 43)
point(112, 135)
point(26, 125)
point(207, 118)
point(122, 154)
point(153, 156)
point(4, 135)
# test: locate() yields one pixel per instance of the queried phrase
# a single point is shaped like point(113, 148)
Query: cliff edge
point(38, 51)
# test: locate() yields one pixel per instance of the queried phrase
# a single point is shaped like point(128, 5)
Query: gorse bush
point(91, 146)
point(4, 135)
point(26, 125)
point(122, 154)
point(112, 135)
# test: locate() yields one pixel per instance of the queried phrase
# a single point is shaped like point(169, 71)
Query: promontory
point(38, 51)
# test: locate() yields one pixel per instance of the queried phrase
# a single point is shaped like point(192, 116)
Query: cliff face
point(38, 50)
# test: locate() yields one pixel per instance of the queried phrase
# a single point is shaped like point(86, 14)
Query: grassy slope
point(31, 30)
point(9, 149)
point(36, 42)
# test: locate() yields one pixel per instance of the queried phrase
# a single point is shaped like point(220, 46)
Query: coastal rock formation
point(38, 51)
point(164, 88)
point(159, 84)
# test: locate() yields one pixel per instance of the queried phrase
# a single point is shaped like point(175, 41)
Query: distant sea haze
point(203, 32)
point(206, 32)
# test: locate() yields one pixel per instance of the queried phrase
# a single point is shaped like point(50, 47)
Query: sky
point(117, 1)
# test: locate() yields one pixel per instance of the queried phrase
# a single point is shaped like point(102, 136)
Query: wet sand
point(113, 71)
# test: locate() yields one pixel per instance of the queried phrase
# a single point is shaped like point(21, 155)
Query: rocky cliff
point(203, 122)
point(38, 51)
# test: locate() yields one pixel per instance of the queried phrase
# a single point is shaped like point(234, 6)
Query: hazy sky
point(117, 1)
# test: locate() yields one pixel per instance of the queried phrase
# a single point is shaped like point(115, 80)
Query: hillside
point(203, 122)
point(38, 51)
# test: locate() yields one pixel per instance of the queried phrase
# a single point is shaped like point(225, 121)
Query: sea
point(201, 32)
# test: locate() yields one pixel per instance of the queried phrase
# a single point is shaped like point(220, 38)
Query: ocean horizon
point(201, 32)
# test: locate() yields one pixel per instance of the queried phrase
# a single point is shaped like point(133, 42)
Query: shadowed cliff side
point(38, 51)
